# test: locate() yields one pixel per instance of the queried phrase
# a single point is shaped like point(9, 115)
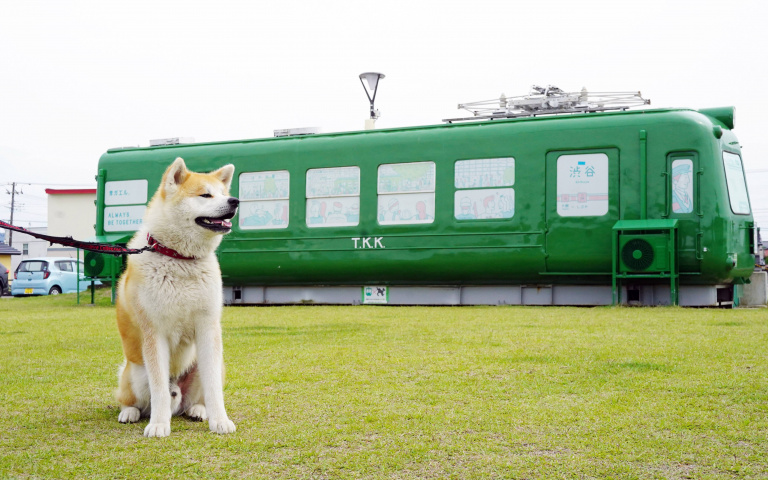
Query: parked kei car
point(48, 276)
point(3, 279)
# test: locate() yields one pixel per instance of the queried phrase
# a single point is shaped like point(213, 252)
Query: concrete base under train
point(574, 295)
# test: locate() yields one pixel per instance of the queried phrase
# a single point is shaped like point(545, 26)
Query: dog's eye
point(206, 195)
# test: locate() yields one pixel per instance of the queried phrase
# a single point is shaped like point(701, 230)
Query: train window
point(125, 205)
point(406, 193)
point(737, 187)
point(582, 185)
point(477, 195)
point(264, 200)
point(682, 186)
point(333, 197)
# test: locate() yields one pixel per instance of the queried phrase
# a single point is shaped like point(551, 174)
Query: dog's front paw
point(197, 413)
point(129, 415)
point(157, 430)
point(224, 425)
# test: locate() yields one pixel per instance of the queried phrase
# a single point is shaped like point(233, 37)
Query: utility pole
point(13, 201)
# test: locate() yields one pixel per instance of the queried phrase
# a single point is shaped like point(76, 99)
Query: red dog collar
point(158, 247)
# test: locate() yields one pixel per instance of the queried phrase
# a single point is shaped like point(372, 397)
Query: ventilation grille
point(101, 265)
point(637, 254)
point(645, 253)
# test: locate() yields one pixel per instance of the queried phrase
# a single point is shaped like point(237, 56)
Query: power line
point(46, 184)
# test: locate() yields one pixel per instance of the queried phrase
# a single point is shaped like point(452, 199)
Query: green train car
point(642, 207)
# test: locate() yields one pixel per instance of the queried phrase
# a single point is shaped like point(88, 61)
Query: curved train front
point(646, 207)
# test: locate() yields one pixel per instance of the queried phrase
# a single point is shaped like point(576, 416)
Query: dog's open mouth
point(218, 224)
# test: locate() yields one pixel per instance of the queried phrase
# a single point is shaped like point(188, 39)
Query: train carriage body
point(646, 206)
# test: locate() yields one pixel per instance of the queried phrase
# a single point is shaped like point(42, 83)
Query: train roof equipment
point(160, 142)
point(549, 101)
point(295, 132)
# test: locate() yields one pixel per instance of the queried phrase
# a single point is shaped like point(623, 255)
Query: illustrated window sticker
point(682, 186)
point(333, 212)
point(409, 208)
point(475, 197)
point(484, 204)
point(487, 172)
point(333, 182)
point(264, 185)
point(406, 177)
point(333, 197)
point(737, 187)
point(264, 200)
point(406, 193)
point(265, 214)
point(582, 185)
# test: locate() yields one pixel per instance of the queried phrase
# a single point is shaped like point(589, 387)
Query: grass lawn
point(388, 392)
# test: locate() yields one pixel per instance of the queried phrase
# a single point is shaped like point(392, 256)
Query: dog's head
point(202, 198)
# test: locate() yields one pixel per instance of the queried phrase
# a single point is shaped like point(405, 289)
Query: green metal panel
point(578, 244)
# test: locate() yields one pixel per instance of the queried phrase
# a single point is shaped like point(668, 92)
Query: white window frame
point(738, 196)
point(577, 188)
point(258, 213)
point(484, 197)
point(342, 205)
point(419, 202)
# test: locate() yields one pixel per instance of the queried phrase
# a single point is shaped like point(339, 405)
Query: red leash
point(154, 245)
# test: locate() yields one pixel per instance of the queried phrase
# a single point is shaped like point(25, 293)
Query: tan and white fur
point(169, 309)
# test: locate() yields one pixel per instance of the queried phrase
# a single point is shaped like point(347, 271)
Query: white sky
point(80, 77)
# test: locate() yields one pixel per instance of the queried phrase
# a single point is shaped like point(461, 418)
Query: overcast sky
point(80, 77)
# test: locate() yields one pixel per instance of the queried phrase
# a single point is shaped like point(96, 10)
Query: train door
point(683, 202)
point(582, 206)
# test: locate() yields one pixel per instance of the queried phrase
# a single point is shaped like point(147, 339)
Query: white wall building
point(71, 213)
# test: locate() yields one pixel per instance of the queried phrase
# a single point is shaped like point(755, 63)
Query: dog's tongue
point(223, 222)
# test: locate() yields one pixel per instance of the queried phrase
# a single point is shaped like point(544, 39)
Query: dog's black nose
point(233, 201)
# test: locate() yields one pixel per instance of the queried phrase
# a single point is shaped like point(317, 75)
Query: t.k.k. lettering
point(368, 242)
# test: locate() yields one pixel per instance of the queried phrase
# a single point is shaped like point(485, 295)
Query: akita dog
point(169, 304)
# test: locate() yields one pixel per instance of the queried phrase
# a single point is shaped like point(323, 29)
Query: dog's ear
point(175, 176)
point(225, 174)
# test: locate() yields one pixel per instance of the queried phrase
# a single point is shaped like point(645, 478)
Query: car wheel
point(55, 290)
